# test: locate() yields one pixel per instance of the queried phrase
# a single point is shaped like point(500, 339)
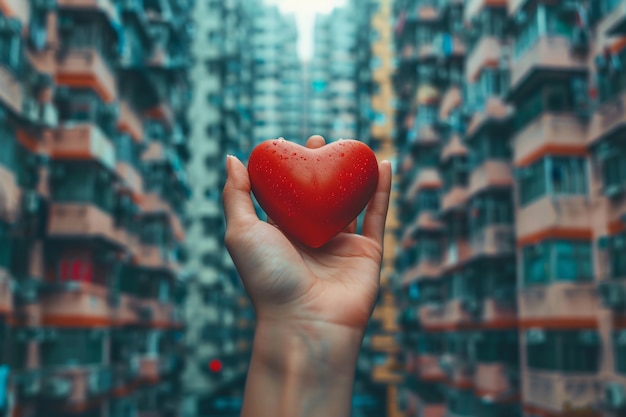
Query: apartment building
point(510, 114)
point(219, 320)
point(380, 360)
point(93, 131)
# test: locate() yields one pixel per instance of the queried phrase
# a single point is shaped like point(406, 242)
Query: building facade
point(93, 130)
point(511, 203)
point(219, 320)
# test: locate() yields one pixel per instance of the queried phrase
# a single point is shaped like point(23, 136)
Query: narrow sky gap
point(305, 11)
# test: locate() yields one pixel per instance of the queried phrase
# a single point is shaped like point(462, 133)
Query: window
point(553, 176)
point(430, 343)
point(567, 175)
point(498, 346)
point(5, 245)
point(426, 116)
point(562, 260)
point(576, 351)
point(11, 49)
point(617, 248)
point(155, 232)
point(74, 347)
point(81, 184)
point(428, 249)
point(614, 170)
point(491, 208)
point(455, 173)
point(8, 145)
point(532, 182)
point(427, 200)
point(429, 292)
point(619, 350)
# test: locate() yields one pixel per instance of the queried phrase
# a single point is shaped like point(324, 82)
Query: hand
point(337, 283)
point(312, 305)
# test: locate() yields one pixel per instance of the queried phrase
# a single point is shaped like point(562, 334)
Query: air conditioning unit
point(615, 396)
point(56, 388)
point(613, 294)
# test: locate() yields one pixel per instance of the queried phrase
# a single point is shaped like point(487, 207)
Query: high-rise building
point(278, 74)
point(512, 205)
point(93, 131)
point(220, 323)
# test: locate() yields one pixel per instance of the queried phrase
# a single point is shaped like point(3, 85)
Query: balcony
point(459, 313)
point(559, 305)
point(561, 393)
point(486, 53)
point(425, 269)
point(427, 178)
point(491, 174)
point(83, 142)
point(9, 195)
point(455, 199)
point(83, 221)
point(493, 241)
point(565, 217)
point(86, 69)
point(126, 311)
point(550, 133)
point(494, 110)
point(456, 255)
point(432, 317)
point(608, 120)
point(496, 381)
point(77, 304)
point(152, 204)
point(75, 389)
point(11, 90)
point(549, 53)
point(6, 293)
point(130, 122)
point(157, 258)
point(429, 368)
point(451, 99)
point(499, 314)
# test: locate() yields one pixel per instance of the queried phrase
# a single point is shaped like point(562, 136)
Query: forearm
point(303, 369)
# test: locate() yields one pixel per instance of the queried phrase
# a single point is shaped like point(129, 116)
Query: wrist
point(304, 347)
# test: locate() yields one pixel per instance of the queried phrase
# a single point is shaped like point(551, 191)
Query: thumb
point(238, 208)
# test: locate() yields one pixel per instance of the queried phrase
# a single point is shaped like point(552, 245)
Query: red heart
point(313, 194)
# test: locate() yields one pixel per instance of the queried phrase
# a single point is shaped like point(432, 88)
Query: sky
point(305, 11)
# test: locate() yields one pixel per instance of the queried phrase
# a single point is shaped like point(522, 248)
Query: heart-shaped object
point(313, 194)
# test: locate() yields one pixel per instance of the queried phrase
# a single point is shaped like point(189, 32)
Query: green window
point(79, 183)
point(73, 347)
point(557, 260)
point(576, 351)
point(497, 346)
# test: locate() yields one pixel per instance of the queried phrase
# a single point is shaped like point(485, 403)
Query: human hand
point(312, 305)
point(288, 281)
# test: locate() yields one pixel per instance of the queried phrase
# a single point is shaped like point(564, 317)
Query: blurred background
point(503, 290)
